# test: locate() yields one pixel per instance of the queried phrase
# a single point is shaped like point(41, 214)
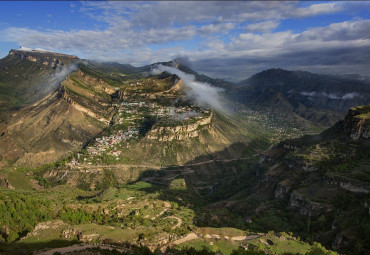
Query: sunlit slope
point(26, 77)
point(58, 124)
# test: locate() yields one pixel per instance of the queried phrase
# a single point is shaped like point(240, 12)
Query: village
point(127, 123)
point(108, 142)
point(130, 111)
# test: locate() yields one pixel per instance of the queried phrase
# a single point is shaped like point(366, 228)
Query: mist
point(51, 82)
point(347, 96)
point(202, 93)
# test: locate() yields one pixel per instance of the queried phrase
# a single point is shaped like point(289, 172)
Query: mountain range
point(125, 155)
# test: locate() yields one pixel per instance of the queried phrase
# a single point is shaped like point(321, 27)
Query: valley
point(117, 156)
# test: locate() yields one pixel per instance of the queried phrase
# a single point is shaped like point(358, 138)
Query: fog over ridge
point(202, 93)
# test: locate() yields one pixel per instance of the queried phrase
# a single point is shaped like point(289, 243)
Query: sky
point(231, 40)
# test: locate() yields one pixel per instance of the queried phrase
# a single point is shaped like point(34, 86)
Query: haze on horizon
point(231, 40)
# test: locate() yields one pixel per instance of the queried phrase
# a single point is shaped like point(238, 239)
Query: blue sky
point(230, 40)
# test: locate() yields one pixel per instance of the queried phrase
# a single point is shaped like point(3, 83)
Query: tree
point(318, 249)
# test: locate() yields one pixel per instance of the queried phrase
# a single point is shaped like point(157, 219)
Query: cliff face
point(154, 91)
point(62, 122)
point(62, 93)
point(357, 122)
point(307, 207)
point(28, 76)
point(50, 59)
point(45, 132)
point(179, 132)
point(314, 175)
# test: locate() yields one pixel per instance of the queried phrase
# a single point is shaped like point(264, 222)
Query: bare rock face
point(62, 93)
point(52, 137)
point(344, 239)
point(5, 183)
point(355, 187)
point(87, 237)
point(282, 191)
point(70, 233)
point(51, 59)
point(357, 122)
point(39, 228)
point(178, 132)
point(307, 207)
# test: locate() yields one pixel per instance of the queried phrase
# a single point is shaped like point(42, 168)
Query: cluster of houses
point(134, 84)
point(176, 113)
point(106, 142)
point(131, 108)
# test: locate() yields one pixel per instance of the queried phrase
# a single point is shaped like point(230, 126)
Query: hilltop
point(302, 96)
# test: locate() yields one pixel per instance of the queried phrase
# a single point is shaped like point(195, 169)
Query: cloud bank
point(224, 39)
point(202, 93)
point(51, 82)
point(346, 96)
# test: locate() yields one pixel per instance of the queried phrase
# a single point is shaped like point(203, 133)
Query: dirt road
point(179, 221)
point(187, 238)
point(166, 207)
point(78, 247)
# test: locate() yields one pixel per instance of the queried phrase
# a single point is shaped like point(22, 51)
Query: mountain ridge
point(115, 139)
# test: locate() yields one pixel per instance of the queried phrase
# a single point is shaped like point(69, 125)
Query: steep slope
point(28, 76)
point(179, 64)
point(111, 124)
point(77, 110)
point(84, 101)
point(157, 130)
point(322, 99)
point(317, 186)
point(46, 131)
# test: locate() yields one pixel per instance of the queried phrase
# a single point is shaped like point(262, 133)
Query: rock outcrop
point(353, 186)
point(307, 207)
point(167, 133)
point(51, 59)
point(5, 183)
point(357, 122)
point(62, 93)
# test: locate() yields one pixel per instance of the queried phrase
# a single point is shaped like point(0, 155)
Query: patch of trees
point(20, 213)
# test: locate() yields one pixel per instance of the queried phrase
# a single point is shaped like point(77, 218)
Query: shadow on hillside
point(19, 248)
point(208, 182)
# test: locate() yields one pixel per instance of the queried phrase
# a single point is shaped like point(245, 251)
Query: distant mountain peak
point(23, 51)
point(33, 50)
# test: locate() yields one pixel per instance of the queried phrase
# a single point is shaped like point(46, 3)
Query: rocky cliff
point(50, 59)
point(62, 93)
point(357, 122)
point(58, 124)
point(180, 132)
point(324, 178)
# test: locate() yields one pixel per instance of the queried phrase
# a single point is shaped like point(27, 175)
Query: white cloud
point(348, 30)
point(133, 27)
point(346, 96)
point(203, 93)
point(215, 28)
point(316, 9)
point(264, 26)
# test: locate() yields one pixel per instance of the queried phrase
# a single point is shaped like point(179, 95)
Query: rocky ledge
point(62, 93)
point(54, 60)
point(161, 133)
point(357, 122)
